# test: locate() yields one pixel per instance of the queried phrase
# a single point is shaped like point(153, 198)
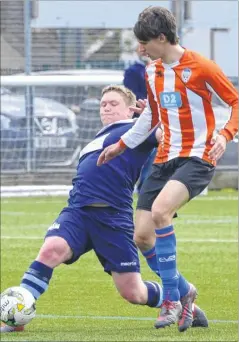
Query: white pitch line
point(218, 198)
point(216, 221)
point(121, 318)
point(179, 221)
point(7, 237)
point(182, 217)
point(199, 198)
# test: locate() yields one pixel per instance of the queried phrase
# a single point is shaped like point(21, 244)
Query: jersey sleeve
point(218, 83)
point(141, 129)
point(145, 124)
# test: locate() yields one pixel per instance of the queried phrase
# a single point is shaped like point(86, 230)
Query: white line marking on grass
point(214, 221)
point(216, 198)
point(209, 240)
point(121, 318)
point(7, 237)
point(184, 219)
point(199, 198)
point(179, 221)
point(25, 213)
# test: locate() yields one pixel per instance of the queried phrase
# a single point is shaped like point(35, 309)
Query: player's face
point(154, 48)
point(113, 108)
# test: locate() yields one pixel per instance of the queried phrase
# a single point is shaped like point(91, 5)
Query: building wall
point(57, 41)
point(215, 14)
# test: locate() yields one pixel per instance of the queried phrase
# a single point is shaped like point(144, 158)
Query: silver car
point(54, 133)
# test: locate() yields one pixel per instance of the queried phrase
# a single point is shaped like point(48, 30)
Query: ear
point(162, 38)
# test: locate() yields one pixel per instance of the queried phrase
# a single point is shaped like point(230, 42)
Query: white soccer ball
point(17, 306)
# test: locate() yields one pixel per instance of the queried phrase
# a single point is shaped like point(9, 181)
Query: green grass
point(207, 255)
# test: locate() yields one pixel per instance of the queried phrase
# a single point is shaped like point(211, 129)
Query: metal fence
point(47, 142)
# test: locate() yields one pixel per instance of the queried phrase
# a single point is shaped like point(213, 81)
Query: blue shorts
point(106, 230)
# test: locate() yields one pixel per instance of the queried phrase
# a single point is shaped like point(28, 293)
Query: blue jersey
point(112, 183)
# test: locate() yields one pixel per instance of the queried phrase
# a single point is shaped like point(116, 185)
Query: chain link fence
point(68, 50)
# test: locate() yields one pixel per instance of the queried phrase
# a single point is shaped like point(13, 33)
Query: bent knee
point(54, 251)
point(140, 239)
point(161, 214)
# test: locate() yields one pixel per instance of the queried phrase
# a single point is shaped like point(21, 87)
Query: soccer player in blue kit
point(99, 215)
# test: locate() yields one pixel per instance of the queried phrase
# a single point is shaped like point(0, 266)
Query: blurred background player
point(134, 79)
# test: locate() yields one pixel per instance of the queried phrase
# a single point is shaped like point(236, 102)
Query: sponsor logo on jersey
point(55, 225)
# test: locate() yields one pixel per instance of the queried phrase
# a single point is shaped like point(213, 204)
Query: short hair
point(154, 21)
point(128, 96)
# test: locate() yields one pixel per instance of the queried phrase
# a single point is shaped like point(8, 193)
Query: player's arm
point(218, 83)
point(147, 121)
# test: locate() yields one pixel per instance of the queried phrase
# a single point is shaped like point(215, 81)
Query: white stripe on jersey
point(173, 116)
point(151, 79)
point(96, 144)
point(227, 107)
point(199, 123)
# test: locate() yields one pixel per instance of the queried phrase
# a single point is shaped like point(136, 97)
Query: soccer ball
point(17, 306)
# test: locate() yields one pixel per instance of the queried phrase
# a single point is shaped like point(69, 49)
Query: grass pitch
point(82, 303)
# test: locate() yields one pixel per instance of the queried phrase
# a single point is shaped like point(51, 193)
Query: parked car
point(71, 96)
point(54, 133)
point(4, 90)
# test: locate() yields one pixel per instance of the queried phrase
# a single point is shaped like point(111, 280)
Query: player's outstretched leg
point(36, 279)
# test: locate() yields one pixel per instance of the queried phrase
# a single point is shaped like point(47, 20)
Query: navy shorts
point(107, 231)
point(193, 172)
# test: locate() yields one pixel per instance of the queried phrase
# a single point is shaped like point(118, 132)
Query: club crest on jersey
point(186, 74)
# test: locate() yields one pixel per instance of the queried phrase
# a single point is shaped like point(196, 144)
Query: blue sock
point(37, 278)
point(155, 294)
point(183, 285)
point(151, 258)
point(165, 248)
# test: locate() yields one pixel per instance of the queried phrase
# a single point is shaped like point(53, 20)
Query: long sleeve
point(141, 130)
point(218, 83)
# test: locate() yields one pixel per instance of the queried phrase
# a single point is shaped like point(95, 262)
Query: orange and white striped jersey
point(180, 100)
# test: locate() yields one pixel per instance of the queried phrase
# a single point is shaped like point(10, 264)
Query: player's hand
point(141, 104)
point(219, 146)
point(109, 153)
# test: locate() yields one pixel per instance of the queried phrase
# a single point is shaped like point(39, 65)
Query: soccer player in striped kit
point(180, 84)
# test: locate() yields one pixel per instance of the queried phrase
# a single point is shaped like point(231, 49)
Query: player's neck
point(172, 54)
